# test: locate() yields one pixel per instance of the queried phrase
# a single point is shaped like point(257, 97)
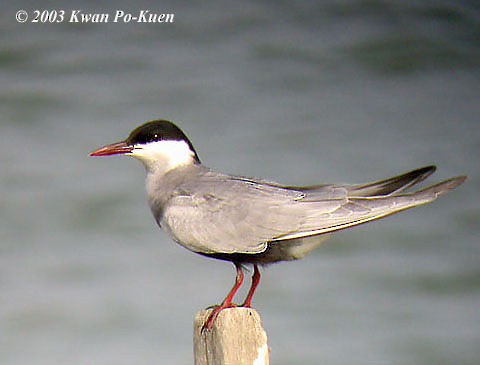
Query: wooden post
point(237, 338)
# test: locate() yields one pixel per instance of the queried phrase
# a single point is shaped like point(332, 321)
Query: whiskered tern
point(253, 221)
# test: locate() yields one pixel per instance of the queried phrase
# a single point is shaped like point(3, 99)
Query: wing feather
point(222, 214)
point(358, 210)
point(236, 216)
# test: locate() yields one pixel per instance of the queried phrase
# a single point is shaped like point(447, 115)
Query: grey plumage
point(216, 214)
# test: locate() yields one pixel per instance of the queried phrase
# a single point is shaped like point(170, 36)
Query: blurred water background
point(297, 92)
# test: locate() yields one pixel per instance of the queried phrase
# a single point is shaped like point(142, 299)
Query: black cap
point(159, 130)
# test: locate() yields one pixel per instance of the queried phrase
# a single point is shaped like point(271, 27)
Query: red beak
point(119, 148)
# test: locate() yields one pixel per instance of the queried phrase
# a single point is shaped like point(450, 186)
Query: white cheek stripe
point(166, 153)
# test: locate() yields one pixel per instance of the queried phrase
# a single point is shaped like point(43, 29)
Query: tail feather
point(357, 210)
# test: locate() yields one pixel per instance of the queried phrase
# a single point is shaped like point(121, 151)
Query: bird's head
point(158, 143)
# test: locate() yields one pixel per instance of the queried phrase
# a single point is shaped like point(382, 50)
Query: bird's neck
point(162, 186)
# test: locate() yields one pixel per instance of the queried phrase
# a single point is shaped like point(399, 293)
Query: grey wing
point(233, 215)
point(238, 215)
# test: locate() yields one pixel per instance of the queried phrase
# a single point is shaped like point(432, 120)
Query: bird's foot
point(216, 309)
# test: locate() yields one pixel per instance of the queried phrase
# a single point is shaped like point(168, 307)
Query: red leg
point(255, 281)
point(227, 302)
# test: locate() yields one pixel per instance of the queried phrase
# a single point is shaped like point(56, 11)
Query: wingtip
point(458, 180)
point(430, 168)
point(451, 184)
point(424, 172)
point(445, 186)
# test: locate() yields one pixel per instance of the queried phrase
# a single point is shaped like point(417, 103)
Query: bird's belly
point(276, 251)
point(294, 249)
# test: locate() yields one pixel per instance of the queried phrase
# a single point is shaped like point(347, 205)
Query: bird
point(249, 221)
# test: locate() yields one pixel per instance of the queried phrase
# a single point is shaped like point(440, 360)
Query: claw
point(227, 302)
point(207, 326)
